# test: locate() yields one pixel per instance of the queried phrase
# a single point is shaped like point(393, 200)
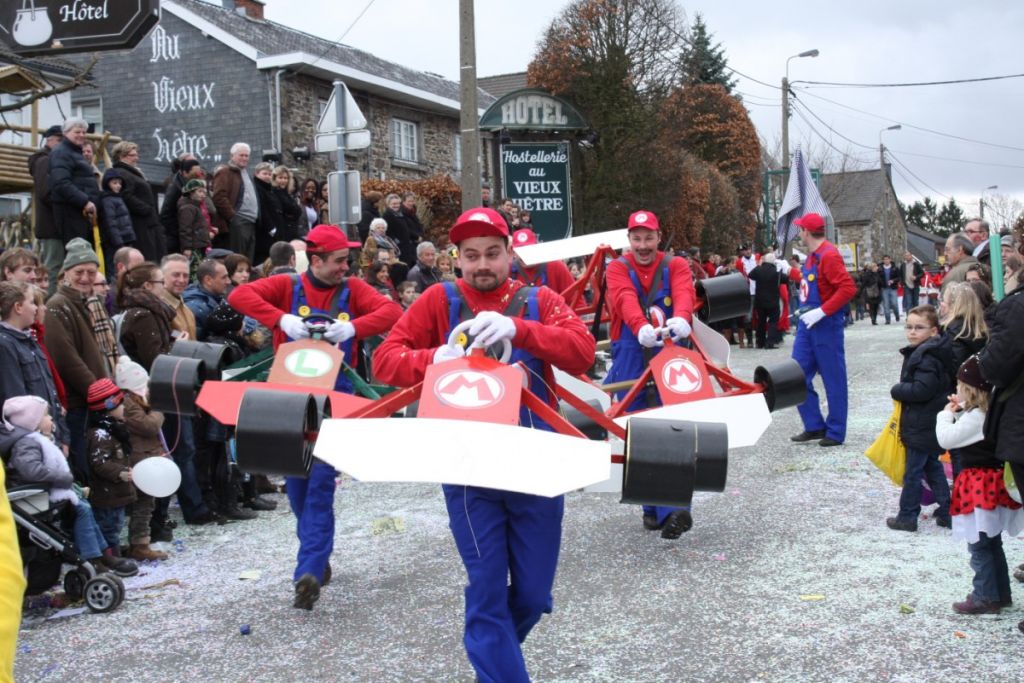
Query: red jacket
point(623, 301)
point(835, 285)
point(267, 299)
point(558, 338)
point(559, 277)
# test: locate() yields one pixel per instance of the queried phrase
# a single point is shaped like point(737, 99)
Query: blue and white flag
point(802, 197)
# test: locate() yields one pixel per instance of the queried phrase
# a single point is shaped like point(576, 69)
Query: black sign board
point(52, 27)
point(535, 175)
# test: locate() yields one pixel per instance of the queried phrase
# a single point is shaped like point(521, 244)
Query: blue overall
point(819, 350)
point(541, 277)
point(312, 499)
point(629, 358)
point(508, 541)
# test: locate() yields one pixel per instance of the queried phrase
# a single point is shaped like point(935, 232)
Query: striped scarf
point(103, 330)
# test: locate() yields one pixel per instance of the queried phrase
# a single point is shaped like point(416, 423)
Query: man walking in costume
point(508, 541)
point(553, 274)
point(825, 290)
point(648, 291)
point(358, 311)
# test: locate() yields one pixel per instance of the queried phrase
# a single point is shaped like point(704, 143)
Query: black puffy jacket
point(72, 186)
point(141, 202)
point(923, 390)
point(962, 348)
point(1002, 364)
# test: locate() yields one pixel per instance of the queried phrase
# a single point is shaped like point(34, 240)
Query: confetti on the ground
point(388, 525)
point(906, 609)
point(959, 634)
point(812, 597)
point(250, 575)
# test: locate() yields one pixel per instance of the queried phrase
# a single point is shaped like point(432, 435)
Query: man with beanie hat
point(825, 290)
point(280, 302)
point(499, 534)
point(648, 291)
point(71, 339)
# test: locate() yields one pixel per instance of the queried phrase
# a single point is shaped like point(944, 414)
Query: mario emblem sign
point(804, 290)
point(468, 389)
point(657, 316)
point(681, 375)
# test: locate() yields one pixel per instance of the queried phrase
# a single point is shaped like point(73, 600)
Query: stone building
point(865, 211)
point(210, 75)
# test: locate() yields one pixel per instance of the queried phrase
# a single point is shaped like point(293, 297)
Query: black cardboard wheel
point(666, 461)
point(582, 422)
point(785, 385)
point(214, 356)
point(725, 297)
point(174, 383)
point(271, 434)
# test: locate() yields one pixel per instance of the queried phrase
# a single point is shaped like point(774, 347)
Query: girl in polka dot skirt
point(981, 507)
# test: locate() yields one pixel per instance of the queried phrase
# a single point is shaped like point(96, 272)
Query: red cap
point(523, 237)
point(643, 219)
point(812, 223)
point(481, 222)
point(103, 395)
point(323, 239)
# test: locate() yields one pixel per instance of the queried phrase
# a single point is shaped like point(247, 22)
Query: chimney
point(250, 8)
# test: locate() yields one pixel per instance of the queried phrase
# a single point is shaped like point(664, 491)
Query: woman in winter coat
point(145, 330)
point(141, 202)
point(291, 214)
point(370, 211)
point(271, 219)
point(398, 229)
point(309, 203)
point(871, 288)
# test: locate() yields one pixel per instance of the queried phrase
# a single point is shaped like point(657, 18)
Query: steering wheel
point(317, 324)
point(460, 337)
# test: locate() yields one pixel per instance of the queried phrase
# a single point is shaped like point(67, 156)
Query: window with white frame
point(457, 146)
point(91, 110)
point(405, 140)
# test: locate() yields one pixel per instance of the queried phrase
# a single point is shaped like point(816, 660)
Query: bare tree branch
point(78, 80)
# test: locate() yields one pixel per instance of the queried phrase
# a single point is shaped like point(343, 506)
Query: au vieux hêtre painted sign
point(535, 175)
point(50, 27)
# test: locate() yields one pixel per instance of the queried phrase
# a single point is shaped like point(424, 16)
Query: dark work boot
point(805, 436)
point(307, 592)
point(677, 524)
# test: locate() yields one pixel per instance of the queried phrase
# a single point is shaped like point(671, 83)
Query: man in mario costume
point(508, 541)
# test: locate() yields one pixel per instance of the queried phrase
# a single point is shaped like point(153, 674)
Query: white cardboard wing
point(483, 454)
point(716, 346)
point(585, 390)
point(747, 416)
point(572, 247)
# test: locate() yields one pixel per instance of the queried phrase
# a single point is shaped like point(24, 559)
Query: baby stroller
point(45, 548)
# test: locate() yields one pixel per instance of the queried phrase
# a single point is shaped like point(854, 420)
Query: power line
point(911, 125)
point(959, 161)
point(912, 85)
point(908, 181)
point(907, 168)
point(827, 140)
point(834, 131)
point(330, 45)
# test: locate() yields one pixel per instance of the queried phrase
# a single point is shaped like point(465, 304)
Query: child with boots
point(109, 452)
point(147, 441)
point(923, 387)
point(116, 229)
point(26, 434)
point(194, 223)
point(982, 508)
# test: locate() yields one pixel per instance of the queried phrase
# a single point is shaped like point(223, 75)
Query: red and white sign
point(681, 376)
point(804, 290)
point(656, 316)
point(468, 389)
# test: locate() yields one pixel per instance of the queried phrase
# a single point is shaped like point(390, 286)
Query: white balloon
point(156, 476)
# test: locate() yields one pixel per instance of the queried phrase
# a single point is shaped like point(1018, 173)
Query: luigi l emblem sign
point(308, 363)
point(48, 27)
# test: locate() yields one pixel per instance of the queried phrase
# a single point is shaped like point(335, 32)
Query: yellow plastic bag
point(98, 246)
point(888, 452)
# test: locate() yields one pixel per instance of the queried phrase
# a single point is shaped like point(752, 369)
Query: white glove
point(293, 326)
point(340, 331)
point(648, 337)
point(812, 317)
point(490, 327)
point(445, 352)
point(678, 328)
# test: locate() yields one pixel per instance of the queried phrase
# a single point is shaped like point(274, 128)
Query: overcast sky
point(869, 41)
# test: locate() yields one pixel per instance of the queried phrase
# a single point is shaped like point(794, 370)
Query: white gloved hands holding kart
point(648, 337)
point(293, 326)
point(446, 352)
point(490, 327)
point(340, 331)
point(812, 317)
point(678, 328)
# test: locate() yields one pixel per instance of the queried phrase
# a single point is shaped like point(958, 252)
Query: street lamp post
point(981, 200)
point(785, 106)
point(886, 182)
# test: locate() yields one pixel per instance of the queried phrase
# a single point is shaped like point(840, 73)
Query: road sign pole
point(339, 99)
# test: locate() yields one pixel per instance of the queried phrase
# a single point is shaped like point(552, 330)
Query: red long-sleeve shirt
point(267, 299)
point(558, 275)
point(559, 338)
point(835, 285)
point(625, 305)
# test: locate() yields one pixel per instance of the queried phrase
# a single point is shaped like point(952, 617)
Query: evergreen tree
point(704, 62)
point(950, 219)
point(923, 214)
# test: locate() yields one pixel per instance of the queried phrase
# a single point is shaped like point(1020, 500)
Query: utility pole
point(785, 123)
point(469, 120)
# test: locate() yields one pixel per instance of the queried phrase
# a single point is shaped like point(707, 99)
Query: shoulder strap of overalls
point(659, 274)
point(339, 299)
point(525, 297)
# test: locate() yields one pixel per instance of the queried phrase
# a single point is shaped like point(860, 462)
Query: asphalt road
point(789, 575)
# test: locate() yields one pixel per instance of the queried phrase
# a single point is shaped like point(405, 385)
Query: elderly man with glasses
point(960, 256)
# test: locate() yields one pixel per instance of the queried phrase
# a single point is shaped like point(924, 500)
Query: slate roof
point(502, 84)
point(47, 65)
point(271, 39)
point(853, 196)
